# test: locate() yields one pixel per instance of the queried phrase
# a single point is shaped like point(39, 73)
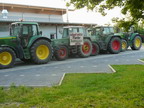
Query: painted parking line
point(21, 75)
point(37, 75)
point(53, 75)
point(69, 67)
point(55, 67)
point(95, 66)
point(6, 75)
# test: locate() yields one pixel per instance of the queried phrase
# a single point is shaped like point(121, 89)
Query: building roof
point(41, 11)
point(58, 4)
point(32, 9)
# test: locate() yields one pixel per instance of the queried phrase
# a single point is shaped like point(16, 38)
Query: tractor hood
point(7, 40)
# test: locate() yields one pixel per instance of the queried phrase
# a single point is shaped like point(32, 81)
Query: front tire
point(124, 45)
point(85, 50)
point(136, 43)
point(95, 49)
point(7, 58)
point(114, 45)
point(61, 53)
point(41, 52)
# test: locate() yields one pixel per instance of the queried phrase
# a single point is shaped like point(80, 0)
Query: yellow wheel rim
point(86, 48)
point(5, 58)
point(42, 52)
point(137, 42)
point(124, 45)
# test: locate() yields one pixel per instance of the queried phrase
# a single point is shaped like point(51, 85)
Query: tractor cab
point(103, 31)
point(73, 29)
point(24, 32)
point(26, 43)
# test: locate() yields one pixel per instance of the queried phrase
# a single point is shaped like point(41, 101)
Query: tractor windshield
point(66, 32)
point(111, 30)
point(14, 30)
point(98, 30)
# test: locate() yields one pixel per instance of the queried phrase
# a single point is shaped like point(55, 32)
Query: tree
point(134, 7)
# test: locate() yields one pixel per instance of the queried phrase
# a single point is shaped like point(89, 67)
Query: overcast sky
point(80, 16)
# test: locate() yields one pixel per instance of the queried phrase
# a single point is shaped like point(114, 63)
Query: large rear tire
point(136, 43)
point(7, 58)
point(41, 52)
point(61, 53)
point(124, 45)
point(85, 50)
point(114, 45)
point(95, 49)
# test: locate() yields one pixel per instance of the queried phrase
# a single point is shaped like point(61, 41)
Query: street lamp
point(4, 13)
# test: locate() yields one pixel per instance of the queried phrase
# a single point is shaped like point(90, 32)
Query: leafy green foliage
point(134, 7)
point(123, 89)
point(126, 24)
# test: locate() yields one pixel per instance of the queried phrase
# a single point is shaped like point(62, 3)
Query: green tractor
point(93, 40)
point(26, 43)
point(103, 39)
point(131, 39)
point(74, 41)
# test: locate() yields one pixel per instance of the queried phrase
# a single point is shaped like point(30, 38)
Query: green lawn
point(123, 89)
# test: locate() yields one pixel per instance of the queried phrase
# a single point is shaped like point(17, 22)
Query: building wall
point(44, 19)
point(47, 30)
point(4, 29)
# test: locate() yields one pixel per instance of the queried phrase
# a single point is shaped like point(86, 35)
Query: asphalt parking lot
point(52, 73)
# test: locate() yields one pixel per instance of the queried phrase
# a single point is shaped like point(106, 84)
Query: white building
point(50, 14)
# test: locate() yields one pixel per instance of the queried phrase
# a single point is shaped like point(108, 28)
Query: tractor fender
point(36, 39)
point(132, 36)
point(18, 55)
point(87, 38)
point(109, 38)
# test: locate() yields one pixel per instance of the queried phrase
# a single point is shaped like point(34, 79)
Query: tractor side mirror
point(40, 32)
point(10, 31)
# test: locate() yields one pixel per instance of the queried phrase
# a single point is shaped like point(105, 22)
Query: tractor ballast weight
point(26, 43)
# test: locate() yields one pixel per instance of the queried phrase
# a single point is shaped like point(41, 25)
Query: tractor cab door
point(27, 31)
point(106, 32)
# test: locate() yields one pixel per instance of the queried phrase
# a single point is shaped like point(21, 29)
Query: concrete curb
point(140, 60)
point(113, 70)
point(62, 79)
